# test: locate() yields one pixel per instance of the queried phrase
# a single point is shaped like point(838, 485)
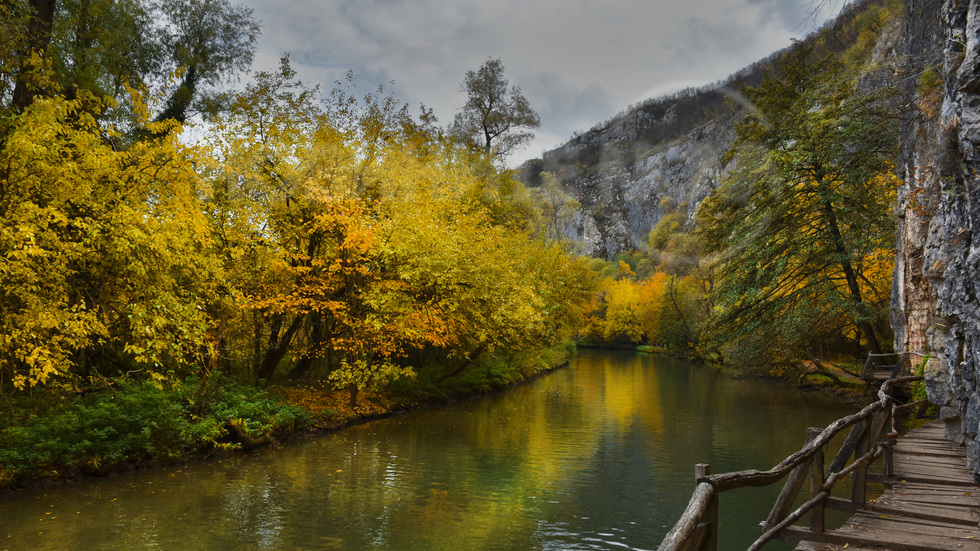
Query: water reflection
point(598, 456)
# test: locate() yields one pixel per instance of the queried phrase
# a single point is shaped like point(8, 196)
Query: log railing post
point(868, 371)
point(888, 458)
point(710, 518)
point(860, 479)
point(784, 503)
point(816, 482)
point(899, 366)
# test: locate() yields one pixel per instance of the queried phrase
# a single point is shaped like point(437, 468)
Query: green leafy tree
point(494, 117)
point(208, 40)
point(804, 209)
point(176, 51)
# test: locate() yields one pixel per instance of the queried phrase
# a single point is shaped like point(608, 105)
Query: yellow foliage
point(357, 237)
point(101, 251)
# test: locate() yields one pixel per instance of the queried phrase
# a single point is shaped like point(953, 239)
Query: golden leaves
point(91, 240)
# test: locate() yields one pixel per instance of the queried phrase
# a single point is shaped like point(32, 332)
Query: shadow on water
point(597, 456)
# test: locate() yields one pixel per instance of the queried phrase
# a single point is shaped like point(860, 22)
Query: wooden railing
point(881, 361)
point(872, 435)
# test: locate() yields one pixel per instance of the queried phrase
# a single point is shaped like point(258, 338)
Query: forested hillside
point(752, 221)
point(671, 147)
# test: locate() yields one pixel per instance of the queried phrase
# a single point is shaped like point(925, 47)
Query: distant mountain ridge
point(665, 148)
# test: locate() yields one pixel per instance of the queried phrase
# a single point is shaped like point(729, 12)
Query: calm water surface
point(597, 456)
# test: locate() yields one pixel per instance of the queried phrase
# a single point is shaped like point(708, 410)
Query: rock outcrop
point(621, 171)
point(936, 289)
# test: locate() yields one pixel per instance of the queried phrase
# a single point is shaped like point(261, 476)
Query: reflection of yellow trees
point(628, 400)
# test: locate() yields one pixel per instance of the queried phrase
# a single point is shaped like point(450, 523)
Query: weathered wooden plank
point(917, 455)
point(934, 453)
point(922, 511)
point(943, 481)
point(880, 540)
point(888, 528)
point(932, 503)
point(931, 447)
point(928, 488)
point(946, 477)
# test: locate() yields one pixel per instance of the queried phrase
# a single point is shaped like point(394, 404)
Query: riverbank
point(846, 386)
point(124, 426)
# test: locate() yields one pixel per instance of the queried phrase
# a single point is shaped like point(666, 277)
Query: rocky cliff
point(936, 289)
point(622, 170)
point(671, 147)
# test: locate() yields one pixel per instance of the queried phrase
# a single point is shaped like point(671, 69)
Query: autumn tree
point(362, 244)
point(495, 119)
point(104, 259)
point(804, 207)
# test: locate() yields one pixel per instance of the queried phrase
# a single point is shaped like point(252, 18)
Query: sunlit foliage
point(102, 252)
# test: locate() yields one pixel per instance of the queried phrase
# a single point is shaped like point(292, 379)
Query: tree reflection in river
point(597, 456)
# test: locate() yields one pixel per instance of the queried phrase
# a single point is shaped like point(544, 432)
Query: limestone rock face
point(936, 289)
point(622, 171)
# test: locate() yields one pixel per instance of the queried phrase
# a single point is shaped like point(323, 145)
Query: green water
point(597, 456)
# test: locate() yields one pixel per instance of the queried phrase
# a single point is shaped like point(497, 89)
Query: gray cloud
point(578, 61)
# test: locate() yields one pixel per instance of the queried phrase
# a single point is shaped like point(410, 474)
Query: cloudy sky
point(578, 62)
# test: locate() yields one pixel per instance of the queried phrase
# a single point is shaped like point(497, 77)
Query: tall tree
point(35, 21)
point(208, 39)
point(494, 115)
point(805, 207)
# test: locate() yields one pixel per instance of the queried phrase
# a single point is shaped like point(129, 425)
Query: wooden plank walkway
point(933, 503)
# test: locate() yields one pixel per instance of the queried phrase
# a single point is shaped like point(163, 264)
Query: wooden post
point(861, 473)
point(868, 371)
point(899, 366)
point(847, 448)
point(816, 486)
point(888, 462)
point(710, 518)
point(784, 503)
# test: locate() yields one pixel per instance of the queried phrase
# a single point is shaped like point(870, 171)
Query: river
point(599, 455)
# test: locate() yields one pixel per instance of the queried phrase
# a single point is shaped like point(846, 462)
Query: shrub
point(134, 422)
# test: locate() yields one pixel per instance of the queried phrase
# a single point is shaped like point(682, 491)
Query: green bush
point(134, 422)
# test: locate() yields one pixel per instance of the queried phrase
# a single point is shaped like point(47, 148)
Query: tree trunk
point(180, 101)
point(315, 337)
point(851, 277)
point(38, 38)
point(473, 356)
point(353, 396)
point(275, 354)
point(671, 288)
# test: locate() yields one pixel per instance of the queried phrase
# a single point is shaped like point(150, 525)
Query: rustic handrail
point(697, 529)
point(867, 372)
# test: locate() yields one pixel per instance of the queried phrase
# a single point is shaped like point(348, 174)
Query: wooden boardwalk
point(933, 503)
